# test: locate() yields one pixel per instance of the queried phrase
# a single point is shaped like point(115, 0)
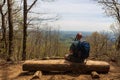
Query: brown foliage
point(102, 47)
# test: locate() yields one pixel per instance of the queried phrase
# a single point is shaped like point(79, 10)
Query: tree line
point(112, 9)
point(18, 42)
point(13, 17)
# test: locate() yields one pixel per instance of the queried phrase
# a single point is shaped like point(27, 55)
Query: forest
point(21, 39)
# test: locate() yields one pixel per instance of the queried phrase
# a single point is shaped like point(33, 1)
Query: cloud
point(76, 14)
point(83, 25)
point(71, 8)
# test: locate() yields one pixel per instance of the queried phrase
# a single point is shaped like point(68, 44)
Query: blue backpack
point(80, 49)
point(84, 47)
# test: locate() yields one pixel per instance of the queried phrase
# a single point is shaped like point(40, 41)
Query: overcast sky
point(76, 15)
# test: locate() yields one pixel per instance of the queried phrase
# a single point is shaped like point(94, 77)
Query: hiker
point(79, 50)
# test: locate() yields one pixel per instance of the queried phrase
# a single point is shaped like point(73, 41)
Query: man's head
point(79, 36)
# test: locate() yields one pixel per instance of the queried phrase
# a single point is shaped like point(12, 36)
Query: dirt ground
point(14, 71)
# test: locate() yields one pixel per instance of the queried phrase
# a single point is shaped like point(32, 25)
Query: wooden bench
point(63, 65)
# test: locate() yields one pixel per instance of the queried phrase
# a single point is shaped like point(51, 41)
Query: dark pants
point(72, 58)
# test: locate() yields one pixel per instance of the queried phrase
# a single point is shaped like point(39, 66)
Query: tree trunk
point(3, 29)
point(24, 30)
point(118, 43)
point(63, 65)
point(25, 11)
point(10, 22)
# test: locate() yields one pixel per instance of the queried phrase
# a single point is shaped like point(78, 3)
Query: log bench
point(63, 65)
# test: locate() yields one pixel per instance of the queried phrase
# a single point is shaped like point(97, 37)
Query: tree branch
point(31, 5)
point(4, 1)
point(108, 4)
point(16, 11)
point(1, 5)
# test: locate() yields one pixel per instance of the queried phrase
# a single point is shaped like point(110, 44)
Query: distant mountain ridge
point(71, 34)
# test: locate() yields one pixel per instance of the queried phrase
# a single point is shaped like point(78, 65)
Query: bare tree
point(3, 25)
point(112, 8)
point(99, 44)
point(10, 25)
point(26, 22)
point(3, 20)
point(25, 25)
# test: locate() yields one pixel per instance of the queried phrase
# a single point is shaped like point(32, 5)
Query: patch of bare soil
point(9, 71)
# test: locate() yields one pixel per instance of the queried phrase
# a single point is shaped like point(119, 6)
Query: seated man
point(77, 50)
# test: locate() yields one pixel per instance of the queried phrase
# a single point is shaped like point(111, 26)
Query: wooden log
point(37, 75)
point(94, 74)
point(63, 65)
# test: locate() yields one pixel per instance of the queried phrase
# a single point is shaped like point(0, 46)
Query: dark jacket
point(74, 48)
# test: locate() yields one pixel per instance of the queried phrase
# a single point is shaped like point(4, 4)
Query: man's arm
point(71, 50)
